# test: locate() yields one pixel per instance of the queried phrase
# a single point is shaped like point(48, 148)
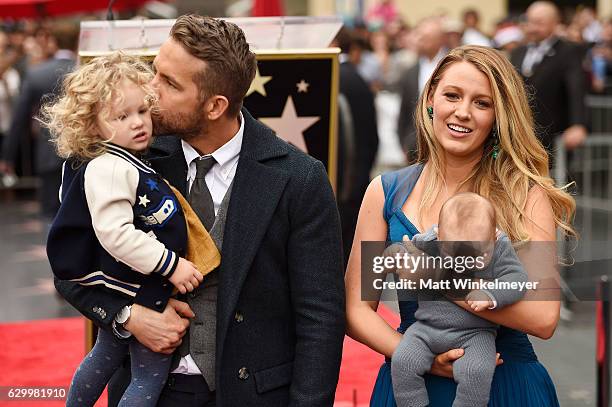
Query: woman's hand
point(443, 363)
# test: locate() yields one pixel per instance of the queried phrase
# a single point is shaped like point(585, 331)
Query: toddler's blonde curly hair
point(89, 90)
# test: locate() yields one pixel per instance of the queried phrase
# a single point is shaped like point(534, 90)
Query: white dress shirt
point(535, 53)
point(218, 180)
point(427, 66)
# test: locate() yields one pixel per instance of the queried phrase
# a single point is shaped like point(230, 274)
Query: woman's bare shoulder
point(540, 215)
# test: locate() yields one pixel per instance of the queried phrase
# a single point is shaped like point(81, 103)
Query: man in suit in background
point(430, 50)
point(358, 135)
point(552, 70)
point(42, 82)
point(269, 322)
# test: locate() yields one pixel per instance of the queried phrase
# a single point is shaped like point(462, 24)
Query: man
point(552, 68)
point(41, 81)
point(269, 322)
point(430, 49)
point(358, 141)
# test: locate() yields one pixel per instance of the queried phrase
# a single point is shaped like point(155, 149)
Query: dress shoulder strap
point(397, 186)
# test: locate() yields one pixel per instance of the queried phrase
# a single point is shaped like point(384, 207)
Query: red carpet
point(46, 353)
point(359, 368)
point(41, 353)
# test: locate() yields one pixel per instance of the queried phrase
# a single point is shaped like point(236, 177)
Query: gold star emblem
point(302, 86)
point(258, 84)
point(143, 200)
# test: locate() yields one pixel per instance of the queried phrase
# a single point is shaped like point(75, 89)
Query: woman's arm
point(363, 323)
point(534, 317)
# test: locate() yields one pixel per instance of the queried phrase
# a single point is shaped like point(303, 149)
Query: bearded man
point(266, 327)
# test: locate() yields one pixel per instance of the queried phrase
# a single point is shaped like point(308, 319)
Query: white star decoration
point(289, 126)
point(302, 86)
point(143, 200)
point(258, 84)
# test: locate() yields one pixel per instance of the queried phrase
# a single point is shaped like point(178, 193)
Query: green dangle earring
point(430, 112)
point(495, 144)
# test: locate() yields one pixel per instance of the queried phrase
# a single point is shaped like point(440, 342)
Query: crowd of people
point(390, 45)
point(34, 58)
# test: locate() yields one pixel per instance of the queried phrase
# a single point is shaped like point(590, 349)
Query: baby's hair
point(467, 217)
point(91, 89)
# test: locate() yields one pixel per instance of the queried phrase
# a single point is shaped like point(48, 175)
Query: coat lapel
point(256, 191)
point(167, 158)
point(546, 59)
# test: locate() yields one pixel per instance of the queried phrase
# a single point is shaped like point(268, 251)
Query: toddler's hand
point(186, 277)
point(478, 301)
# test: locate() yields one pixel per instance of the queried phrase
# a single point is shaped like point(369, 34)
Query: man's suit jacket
point(40, 81)
point(281, 271)
point(356, 164)
point(409, 92)
point(557, 86)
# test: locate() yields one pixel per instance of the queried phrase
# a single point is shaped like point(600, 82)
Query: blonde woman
point(474, 133)
point(120, 226)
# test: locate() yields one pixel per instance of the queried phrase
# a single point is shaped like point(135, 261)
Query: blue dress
point(520, 381)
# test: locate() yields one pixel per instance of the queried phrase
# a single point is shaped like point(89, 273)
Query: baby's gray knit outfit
point(442, 325)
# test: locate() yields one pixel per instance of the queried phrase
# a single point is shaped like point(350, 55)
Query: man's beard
point(186, 126)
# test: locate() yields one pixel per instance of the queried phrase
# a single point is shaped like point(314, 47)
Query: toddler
point(120, 224)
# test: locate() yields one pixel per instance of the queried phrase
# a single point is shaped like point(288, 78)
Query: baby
point(466, 225)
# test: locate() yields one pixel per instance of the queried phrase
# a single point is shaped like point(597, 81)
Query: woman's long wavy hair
point(522, 161)
point(91, 89)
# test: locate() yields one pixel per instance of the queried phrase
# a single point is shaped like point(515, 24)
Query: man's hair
point(230, 65)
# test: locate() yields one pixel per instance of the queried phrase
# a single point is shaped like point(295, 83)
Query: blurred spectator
point(508, 38)
point(42, 81)
point(552, 68)
point(358, 136)
point(9, 85)
point(402, 59)
point(602, 59)
point(368, 66)
point(453, 33)
point(381, 50)
point(382, 13)
point(590, 27)
point(429, 40)
point(17, 36)
point(471, 33)
point(572, 33)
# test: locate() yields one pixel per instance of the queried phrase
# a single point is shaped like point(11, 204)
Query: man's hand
point(186, 277)
point(160, 332)
point(443, 363)
point(574, 136)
